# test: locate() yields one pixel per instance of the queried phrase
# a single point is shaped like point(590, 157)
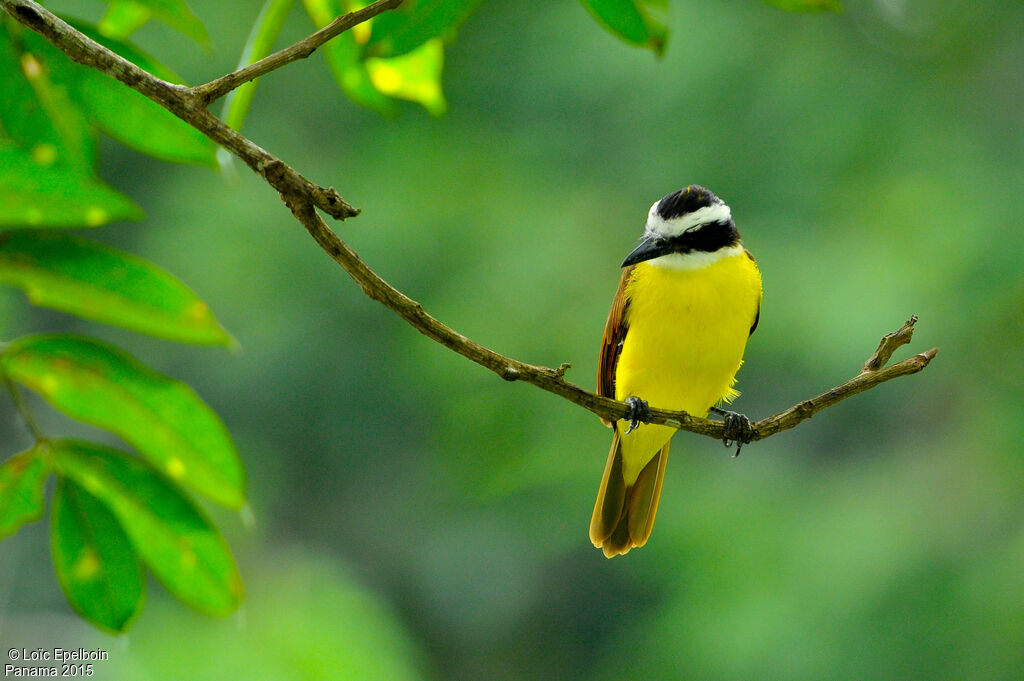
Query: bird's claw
point(738, 429)
point(639, 412)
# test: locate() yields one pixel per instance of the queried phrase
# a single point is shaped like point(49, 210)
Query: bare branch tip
point(907, 330)
point(328, 200)
point(888, 345)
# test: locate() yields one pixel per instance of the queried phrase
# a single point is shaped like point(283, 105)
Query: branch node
point(208, 93)
point(562, 368)
point(510, 373)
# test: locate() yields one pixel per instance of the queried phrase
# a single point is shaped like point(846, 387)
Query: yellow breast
point(687, 330)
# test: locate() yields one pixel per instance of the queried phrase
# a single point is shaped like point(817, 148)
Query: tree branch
point(302, 197)
point(871, 374)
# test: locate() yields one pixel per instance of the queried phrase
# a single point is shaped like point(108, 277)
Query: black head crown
point(685, 201)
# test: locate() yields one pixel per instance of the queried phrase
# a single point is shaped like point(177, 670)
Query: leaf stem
point(22, 406)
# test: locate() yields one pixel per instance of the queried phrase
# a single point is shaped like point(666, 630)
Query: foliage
point(49, 117)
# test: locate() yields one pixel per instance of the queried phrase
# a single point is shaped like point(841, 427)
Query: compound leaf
point(160, 417)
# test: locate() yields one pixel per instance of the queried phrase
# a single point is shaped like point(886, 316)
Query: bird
point(688, 300)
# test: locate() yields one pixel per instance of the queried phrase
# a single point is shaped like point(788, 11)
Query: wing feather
point(614, 335)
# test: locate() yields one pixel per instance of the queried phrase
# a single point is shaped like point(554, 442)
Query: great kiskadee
point(689, 297)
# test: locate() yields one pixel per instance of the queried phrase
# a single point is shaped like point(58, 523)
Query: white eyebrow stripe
point(658, 225)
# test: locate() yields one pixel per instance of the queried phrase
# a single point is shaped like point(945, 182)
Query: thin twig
point(215, 89)
point(302, 197)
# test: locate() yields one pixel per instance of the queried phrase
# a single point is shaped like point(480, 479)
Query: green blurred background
point(418, 518)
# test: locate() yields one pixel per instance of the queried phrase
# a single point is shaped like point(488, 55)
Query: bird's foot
point(639, 412)
point(738, 430)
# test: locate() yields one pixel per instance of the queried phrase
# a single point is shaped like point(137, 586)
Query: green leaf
point(261, 40)
point(636, 21)
point(38, 116)
point(176, 14)
point(46, 167)
point(36, 192)
point(415, 76)
point(122, 113)
point(173, 537)
point(807, 5)
point(21, 491)
point(21, 117)
point(97, 282)
point(94, 560)
point(414, 23)
point(123, 18)
point(160, 417)
point(344, 58)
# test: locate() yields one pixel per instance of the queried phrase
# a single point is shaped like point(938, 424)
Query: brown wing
point(611, 344)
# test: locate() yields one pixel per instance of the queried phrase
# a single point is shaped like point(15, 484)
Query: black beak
point(651, 247)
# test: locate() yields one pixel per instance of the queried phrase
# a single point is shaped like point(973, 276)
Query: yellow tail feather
point(624, 515)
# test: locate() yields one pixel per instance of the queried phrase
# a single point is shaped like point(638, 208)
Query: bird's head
point(684, 228)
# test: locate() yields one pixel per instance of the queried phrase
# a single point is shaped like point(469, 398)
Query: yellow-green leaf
point(93, 558)
point(160, 417)
point(173, 537)
point(97, 282)
point(21, 491)
point(415, 76)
